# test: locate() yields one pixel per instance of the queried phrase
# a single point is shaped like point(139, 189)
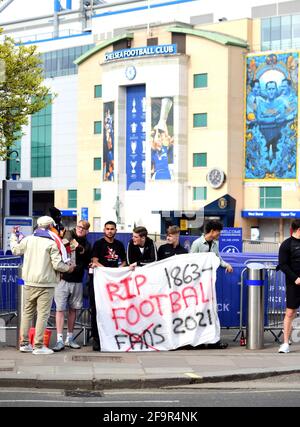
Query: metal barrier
point(255, 324)
point(8, 295)
point(275, 300)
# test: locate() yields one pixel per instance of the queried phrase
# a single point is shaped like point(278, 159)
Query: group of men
point(49, 272)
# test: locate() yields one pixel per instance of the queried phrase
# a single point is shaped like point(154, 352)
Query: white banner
point(161, 306)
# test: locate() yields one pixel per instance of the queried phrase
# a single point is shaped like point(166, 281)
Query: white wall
point(64, 139)
point(163, 76)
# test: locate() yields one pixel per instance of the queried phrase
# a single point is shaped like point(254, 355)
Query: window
point(286, 32)
point(61, 62)
point(199, 193)
point(98, 91)
point(153, 41)
point(275, 32)
point(199, 159)
point(200, 80)
point(14, 159)
point(72, 199)
point(97, 194)
point(280, 32)
point(97, 127)
point(266, 34)
point(200, 120)
point(41, 140)
point(296, 31)
point(270, 197)
point(180, 40)
point(97, 164)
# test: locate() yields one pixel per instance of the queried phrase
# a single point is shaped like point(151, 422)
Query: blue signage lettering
point(271, 214)
point(163, 49)
point(231, 240)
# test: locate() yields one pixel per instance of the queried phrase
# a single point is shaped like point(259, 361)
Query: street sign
point(85, 214)
point(231, 240)
point(25, 224)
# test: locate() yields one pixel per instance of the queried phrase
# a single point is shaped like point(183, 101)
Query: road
point(281, 391)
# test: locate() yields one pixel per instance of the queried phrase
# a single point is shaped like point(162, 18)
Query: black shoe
point(217, 346)
point(96, 346)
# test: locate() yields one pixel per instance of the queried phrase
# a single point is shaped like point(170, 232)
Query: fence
point(8, 294)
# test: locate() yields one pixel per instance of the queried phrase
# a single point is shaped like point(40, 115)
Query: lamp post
point(8, 172)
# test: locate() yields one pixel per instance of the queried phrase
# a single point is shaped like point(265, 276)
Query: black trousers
point(94, 327)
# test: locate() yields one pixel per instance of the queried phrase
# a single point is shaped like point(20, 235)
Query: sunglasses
point(81, 228)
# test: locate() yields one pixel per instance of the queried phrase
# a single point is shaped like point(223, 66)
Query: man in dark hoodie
point(141, 249)
point(69, 290)
point(173, 247)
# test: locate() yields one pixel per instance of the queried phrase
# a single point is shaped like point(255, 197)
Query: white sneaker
point(284, 348)
point(43, 350)
point(72, 344)
point(27, 348)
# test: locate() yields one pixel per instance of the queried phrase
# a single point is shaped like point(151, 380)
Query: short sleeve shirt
point(109, 254)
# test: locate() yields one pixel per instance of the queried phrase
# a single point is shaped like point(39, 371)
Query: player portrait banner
point(108, 141)
point(160, 306)
point(136, 137)
point(162, 139)
point(271, 119)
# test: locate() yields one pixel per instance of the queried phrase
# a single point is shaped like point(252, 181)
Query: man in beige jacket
point(41, 267)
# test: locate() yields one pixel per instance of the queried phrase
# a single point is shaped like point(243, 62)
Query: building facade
point(157, 122)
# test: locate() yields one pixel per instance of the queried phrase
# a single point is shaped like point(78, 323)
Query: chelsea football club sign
point(162, 49)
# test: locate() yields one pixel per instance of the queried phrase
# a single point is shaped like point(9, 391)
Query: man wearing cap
point(43, 261)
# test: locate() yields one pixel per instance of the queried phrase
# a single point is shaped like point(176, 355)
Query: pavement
point(86, 369)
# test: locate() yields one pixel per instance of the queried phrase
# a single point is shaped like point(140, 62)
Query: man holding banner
point(173, 247)
point(106, 252)
point(208, 242)
point(160, 306)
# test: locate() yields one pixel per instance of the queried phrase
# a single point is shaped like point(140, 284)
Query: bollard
point(20, 305)
point(255, 324)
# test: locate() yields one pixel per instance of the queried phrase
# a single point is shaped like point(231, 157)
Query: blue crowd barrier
point(228, 285)
point(9, 284)
point(228, 289)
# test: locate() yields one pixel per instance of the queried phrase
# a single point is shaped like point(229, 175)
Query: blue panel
point(136, 137)
point(57, 6)
point(9, 283)
point(231, 240)
point(85, 213)
point(270, 214)
point(68, 212)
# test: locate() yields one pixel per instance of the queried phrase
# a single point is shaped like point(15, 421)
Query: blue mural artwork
point(271, 116)
point(162, 140)
point(136, 137)
point(108, 142)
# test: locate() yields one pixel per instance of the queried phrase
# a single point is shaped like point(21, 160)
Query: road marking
point(192, 375)
point(88, 402)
